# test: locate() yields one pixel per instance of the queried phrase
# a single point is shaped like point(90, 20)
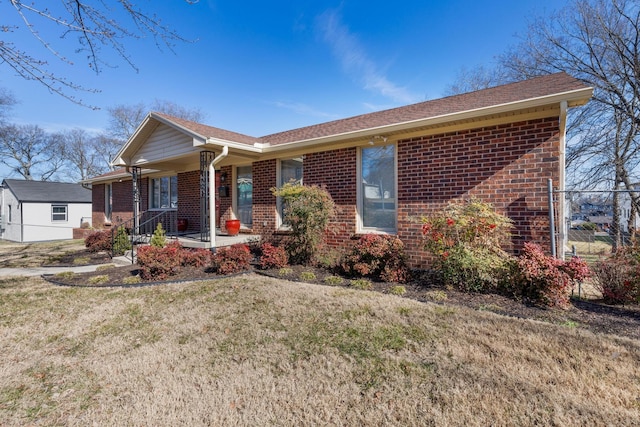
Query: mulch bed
point(593, 315)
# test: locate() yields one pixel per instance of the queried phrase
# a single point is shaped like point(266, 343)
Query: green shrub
point(307, 275)
point(98, 241)
point(380, 257)
point(362, 284)
point(285, 271)
point(232, 259)
point(307, 210)
point(121, 243)
point(99, 280)
point(273, 256)
point(333, 280)
point(397, 290)
point(465, 240)
point(158, 239)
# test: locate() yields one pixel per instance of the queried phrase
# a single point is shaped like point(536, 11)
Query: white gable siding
point(11, 228)
point(164, 143)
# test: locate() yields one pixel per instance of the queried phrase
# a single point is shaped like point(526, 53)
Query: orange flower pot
point(233, 226)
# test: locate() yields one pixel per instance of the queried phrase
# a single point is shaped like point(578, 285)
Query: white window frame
point(279, 210)
point(65, 214)
point(236, 194)
point(360, 196)
point(108, 201)
point(152, 196)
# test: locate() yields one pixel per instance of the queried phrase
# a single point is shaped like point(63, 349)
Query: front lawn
point(254, 350)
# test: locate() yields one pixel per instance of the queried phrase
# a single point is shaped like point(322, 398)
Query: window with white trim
point(58, 212)
point(163, 192)
point(108, 201)
point(377, 197)
point(244, 195)
point(289, 172)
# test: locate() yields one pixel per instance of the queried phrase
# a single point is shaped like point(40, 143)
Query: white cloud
point(355, 61)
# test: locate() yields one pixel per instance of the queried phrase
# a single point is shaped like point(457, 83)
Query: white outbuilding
point(32, 211)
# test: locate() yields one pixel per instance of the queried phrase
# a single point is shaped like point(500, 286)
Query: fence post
point(552, 225)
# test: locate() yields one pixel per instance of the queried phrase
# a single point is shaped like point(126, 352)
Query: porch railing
point(147, 223)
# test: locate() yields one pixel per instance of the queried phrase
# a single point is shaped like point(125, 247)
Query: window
point(59, 212)
point(290, 172)
point(244, 194)
point(377, 201)
point(108, 202)
point(164, 193)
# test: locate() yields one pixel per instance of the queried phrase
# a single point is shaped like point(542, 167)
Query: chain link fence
point(597, 222)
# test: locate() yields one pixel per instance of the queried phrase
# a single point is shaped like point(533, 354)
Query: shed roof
point(48, 192)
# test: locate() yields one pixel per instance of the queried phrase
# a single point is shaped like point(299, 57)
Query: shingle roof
point(514, 92)
point(48, 192)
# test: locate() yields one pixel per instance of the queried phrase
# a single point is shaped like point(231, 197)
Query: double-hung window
point(377, 197)
point(289, 172)
point(58, 212)
point(164, 193)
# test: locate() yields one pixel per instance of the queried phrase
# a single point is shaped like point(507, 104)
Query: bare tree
point(96, 25)
point(125, 119)
point(30, 152)
point(597, 41)
point(82, 153)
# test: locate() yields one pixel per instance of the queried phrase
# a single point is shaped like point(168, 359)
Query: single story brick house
point(384, 170)
point(32, 211)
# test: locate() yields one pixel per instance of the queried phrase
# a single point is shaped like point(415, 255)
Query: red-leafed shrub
point(273, 256)
point(544, 280)
point(377, 256)
point(195, 257)
point(98, 241)
point(159, 263)
point(465, 239)
point(232, 259)
point(618, 276)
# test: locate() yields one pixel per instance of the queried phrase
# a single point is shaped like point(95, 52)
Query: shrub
point(397, 290)
point(132, 280)
point(465, 240)
point(99, 280)
point(617, 277)
point(333, 280)
point(158, 263)
point(307, 210)
point(98, 241)
point(273, 256)
point(232, 259)
point(195, 257)
point(544, 280)
point(380, 257)
point(362, 284)
point(121, 243)
point(307, 276)
point(158, 239)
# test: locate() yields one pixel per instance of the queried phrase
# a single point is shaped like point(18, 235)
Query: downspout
point(212, 196)
point(562, 226)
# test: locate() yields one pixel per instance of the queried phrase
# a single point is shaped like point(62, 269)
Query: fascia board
point(578, 97)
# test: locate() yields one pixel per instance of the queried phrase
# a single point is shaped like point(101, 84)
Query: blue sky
point(259, 67)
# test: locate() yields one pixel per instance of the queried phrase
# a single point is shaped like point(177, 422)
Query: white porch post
point(212, 197)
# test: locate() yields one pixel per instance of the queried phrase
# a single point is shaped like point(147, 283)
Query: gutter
point(212, 196)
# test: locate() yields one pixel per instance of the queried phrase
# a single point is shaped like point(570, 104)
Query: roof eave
point(574, 98)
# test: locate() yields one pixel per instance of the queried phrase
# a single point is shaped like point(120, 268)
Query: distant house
point(383, 169)
point(32, 211)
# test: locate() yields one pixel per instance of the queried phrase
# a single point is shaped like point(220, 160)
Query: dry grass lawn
point(252, 350)
point(22, 255)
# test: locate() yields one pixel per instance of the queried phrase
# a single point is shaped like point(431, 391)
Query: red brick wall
point(506, 165)
point(97, 205)
point(264, 203)
point(189, 199)
point(337, 171)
